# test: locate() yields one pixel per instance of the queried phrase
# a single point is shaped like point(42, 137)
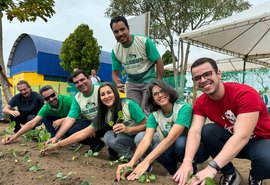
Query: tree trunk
point(5, 88)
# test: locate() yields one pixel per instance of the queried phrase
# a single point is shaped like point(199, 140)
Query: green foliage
point(209, 181)
point(39, 134)
point(120, 118)
point(146, 177)
point(12, 152)
point(27, 159)
point(85, 182)
point(35, 168)
point(90, 153)
point(10, 128)
point(28, 10)
point(62, 176)
point(80, 50)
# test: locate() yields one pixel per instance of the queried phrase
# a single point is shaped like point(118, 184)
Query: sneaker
point(233, 179)
point(252, 181)
point(97, 147)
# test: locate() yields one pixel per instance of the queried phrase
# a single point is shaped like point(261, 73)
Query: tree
point(167, 59)
point(171, 18)
point(23, 10)
point(80, 50)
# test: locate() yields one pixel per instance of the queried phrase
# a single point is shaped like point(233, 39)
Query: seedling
point(12, 152)
point(62, 176)
point(85, 182)
point(27, 159)
point(35, 168)
point(39, 134)
point(125, 172)
point(76, 153)
point(119, 119)
point(120, 160)
point(10, 128)
point(90, 153)
point(147, 177)
point(209, 181)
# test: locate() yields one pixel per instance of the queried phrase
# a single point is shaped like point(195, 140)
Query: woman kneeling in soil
point(119, 119)
point(165, 135)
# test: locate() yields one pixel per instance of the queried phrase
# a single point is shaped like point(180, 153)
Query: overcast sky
point(69, 15)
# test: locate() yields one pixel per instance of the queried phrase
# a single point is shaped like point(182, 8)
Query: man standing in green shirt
point(51, 114)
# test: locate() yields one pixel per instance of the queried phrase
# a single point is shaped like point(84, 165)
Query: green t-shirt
point(181, 114)
point(62, 111)
point(138, 59)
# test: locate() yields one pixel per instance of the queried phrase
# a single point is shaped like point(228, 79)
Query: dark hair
point(201, 61)
point(150, 103)
point(45, 88)
point(21, 82)
point(102, 109)
point(76, 73)
point(118, 19)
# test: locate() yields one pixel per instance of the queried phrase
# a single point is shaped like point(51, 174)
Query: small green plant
point(90, 153)
point(10, 128)
point(12, 152)
point(147, 177)
point(120, 160)
point(35, 168)
point(125, 172)
point(39, 134)
point(62, 176)
point(85, 182)
point(120, 118)
point(76, 154)
point(27, 159)
point(209, 181)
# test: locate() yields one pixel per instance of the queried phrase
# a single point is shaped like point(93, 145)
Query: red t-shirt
point(237, 99)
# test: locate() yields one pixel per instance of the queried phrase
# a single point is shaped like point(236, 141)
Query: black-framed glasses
point(205, 75)
point(155, 94)
point(50, 96)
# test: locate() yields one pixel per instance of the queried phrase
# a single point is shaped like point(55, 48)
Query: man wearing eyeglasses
point(240, 128)
point(24, 106)
point(51, 114)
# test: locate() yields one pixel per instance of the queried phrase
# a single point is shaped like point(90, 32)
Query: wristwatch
point(213, 164)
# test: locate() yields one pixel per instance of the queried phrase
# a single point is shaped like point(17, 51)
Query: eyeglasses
point(205, 75)
point(155, 94)
point(49, 97)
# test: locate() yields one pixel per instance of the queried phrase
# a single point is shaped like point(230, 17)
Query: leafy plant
point(27, 159)
point(120, 160)
point(35, 168)
point(10, 128)
point(76, 153)
point(125, 172)
point(209, 181)
point(39, 134)
point(90, 153)
point(85, 182)
point(62, 176)
point(120, 118)
point(12, 152)
point(147, 177)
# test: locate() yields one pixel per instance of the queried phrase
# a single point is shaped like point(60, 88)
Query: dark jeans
point(81, 124)
point(214, 138)
point(21, 119)
point(48, 122)
point(174, 153)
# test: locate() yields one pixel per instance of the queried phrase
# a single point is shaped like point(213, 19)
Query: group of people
point(151, 123)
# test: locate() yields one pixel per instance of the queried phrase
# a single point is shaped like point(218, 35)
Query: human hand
point(139, 170)
point(48, 148)
point(57, 123)
point(15, 113)
point(121, 87)
point(51, 141)
point(120, 168)
point(183, 173)
point(119, 127)
point(8, 140)
point(201, 176)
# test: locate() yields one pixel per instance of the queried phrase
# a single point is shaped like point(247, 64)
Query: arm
point(66, 125)
point(159, 68)
point(8, 110)
point(57, 123)
point(28, 126)
point(74, 138)
point(173, 135)
point(120, 127)
point(192, 145)
point(141, 149)
point(116, 80)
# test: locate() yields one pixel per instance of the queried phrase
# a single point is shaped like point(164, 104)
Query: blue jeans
point(214, 138)
point(121, 143)
point(174, 153)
